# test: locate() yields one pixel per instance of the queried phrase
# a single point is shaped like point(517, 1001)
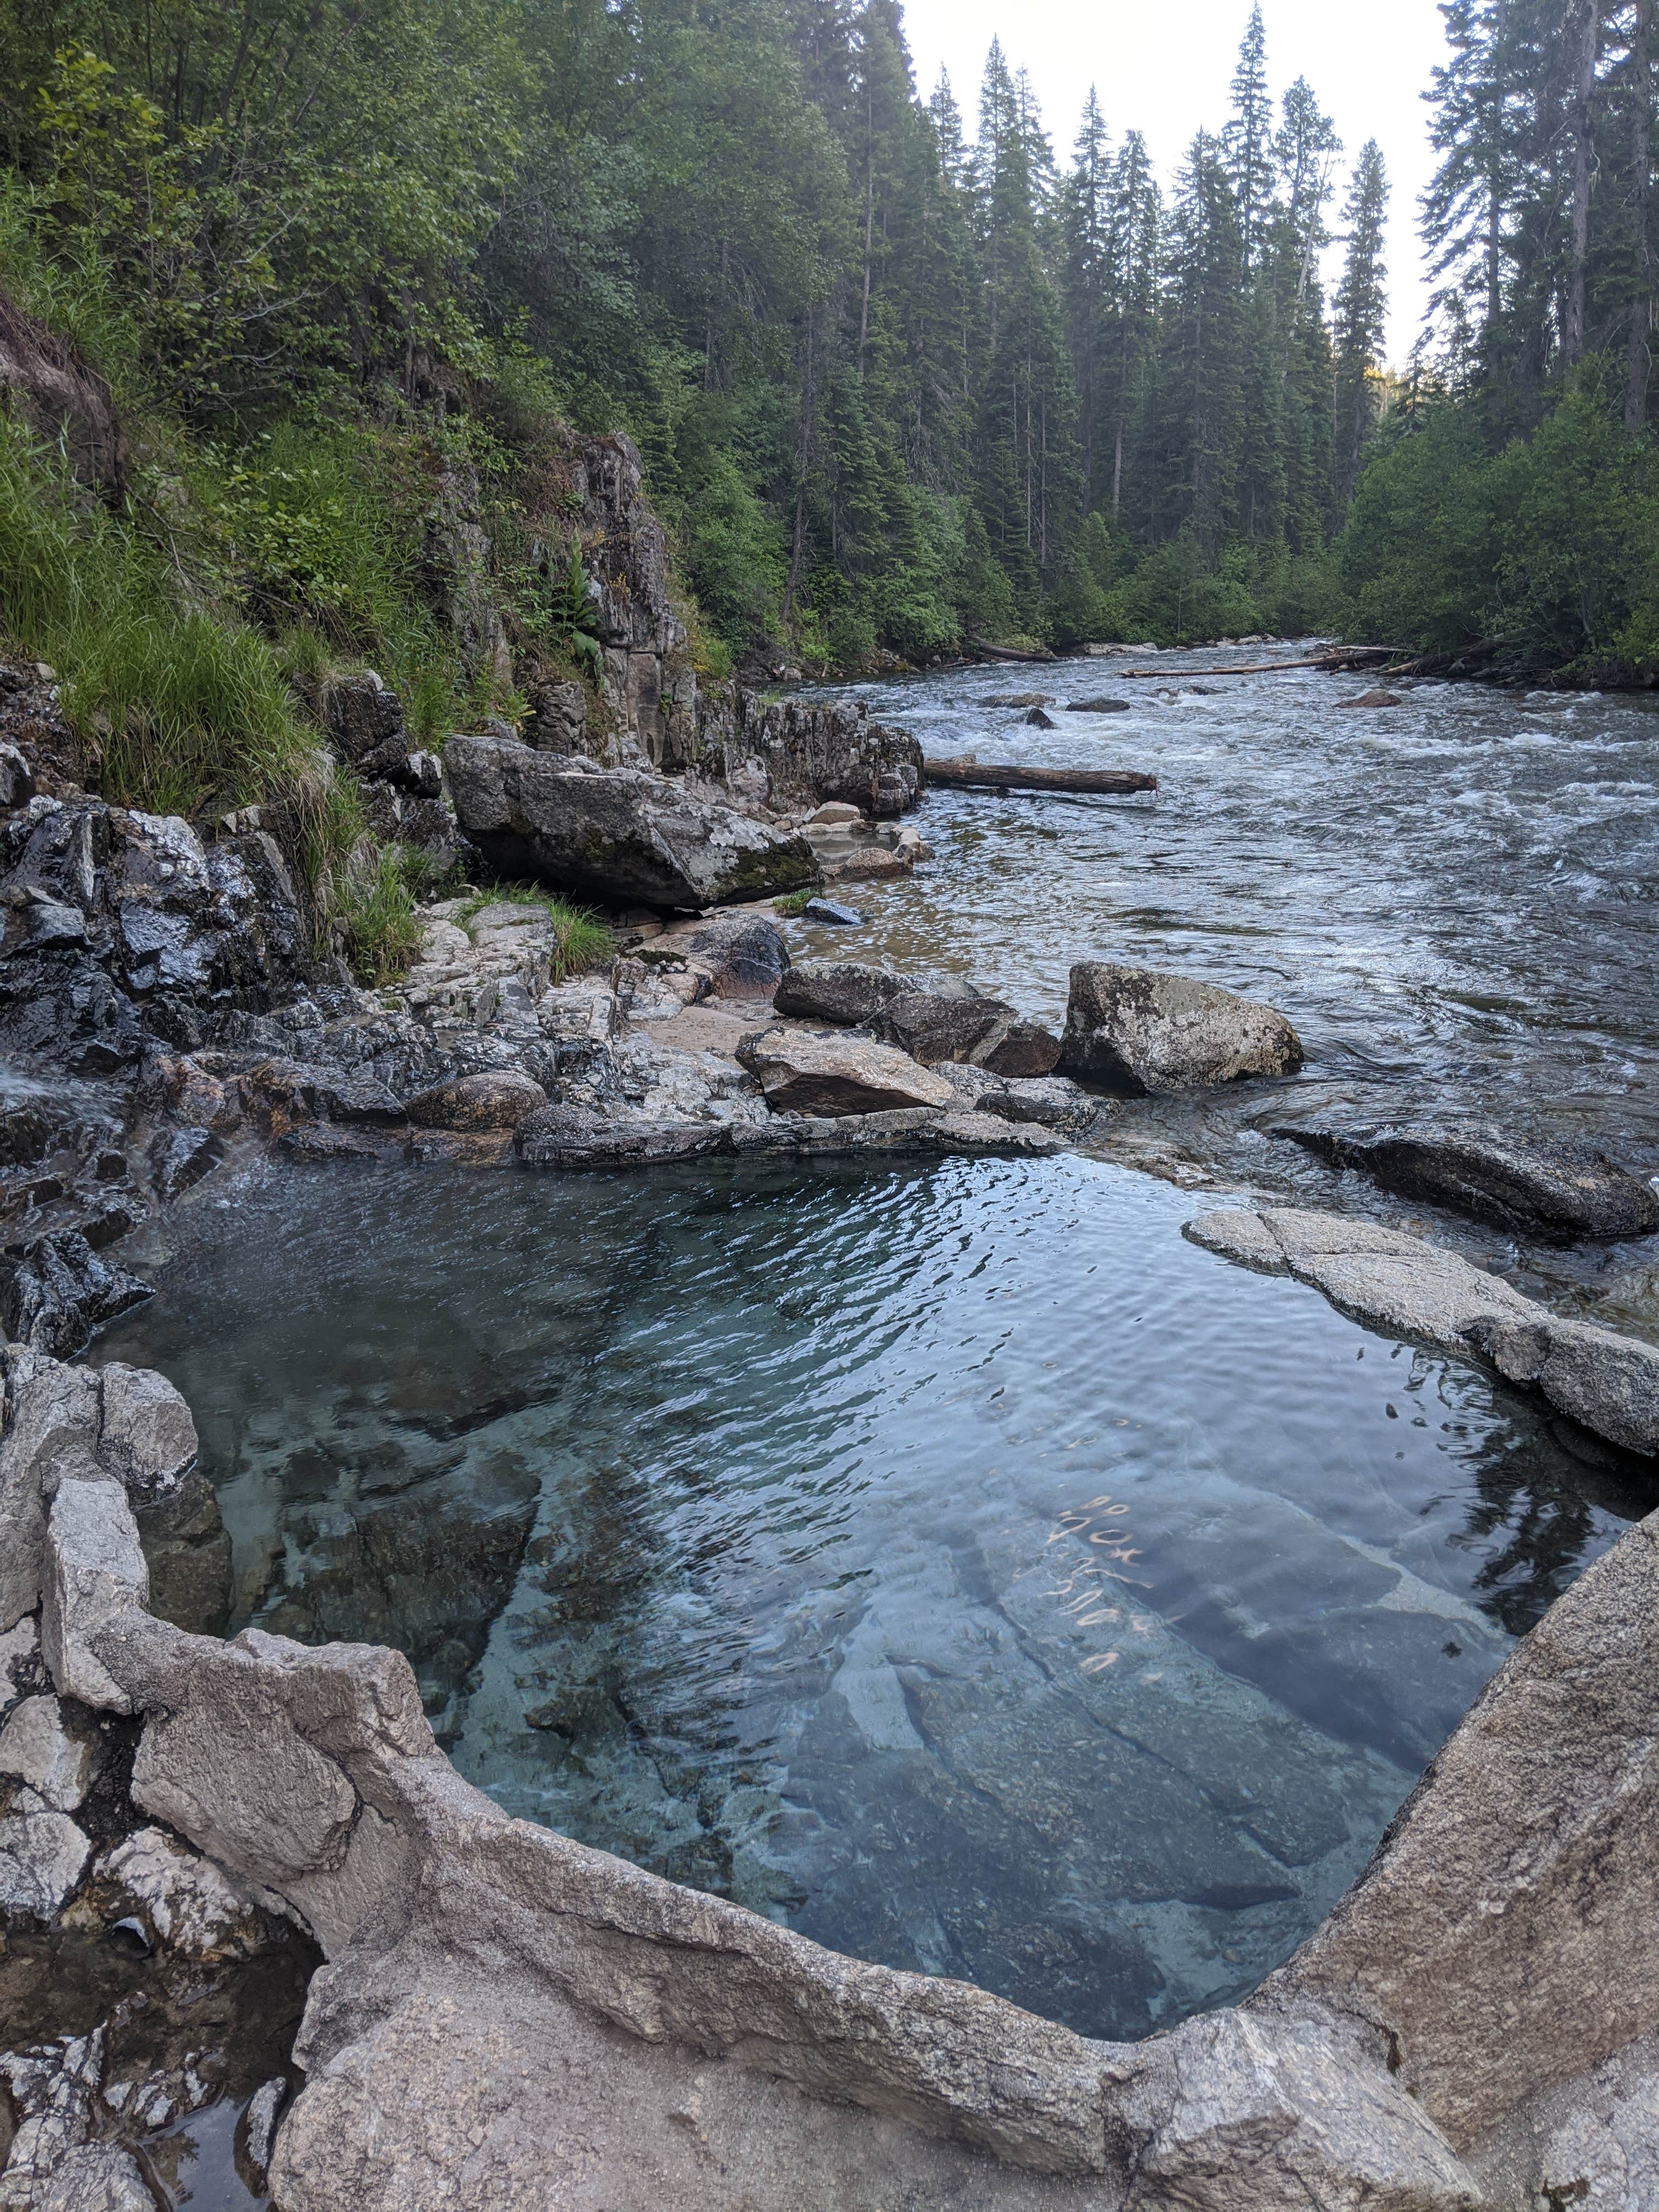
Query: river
point(953, 1562)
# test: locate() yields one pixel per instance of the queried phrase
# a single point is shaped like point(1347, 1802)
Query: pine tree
point(1248, 141)
point(1362, 309)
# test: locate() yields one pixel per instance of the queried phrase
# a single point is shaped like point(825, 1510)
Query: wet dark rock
point(56, 1291)
point(744, 954)
point(119, 925)
point(501, 1099)
point(187, 1549)
point(1038, 720)
point(621, 835)
point(1099, 706)
point(328, 1143)
point(1025, 1049)
point(936, 1025)
point(1018, 699)
point(364, 715)
point(569, 1136)
point(1553, 1187)
point(180, 1159)
point(831, 913)
point(1141, 1030)
point(850, 992)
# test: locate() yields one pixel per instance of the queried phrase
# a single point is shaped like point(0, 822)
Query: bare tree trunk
point(1640, 349)
point(1589, 29)
point(1117, 475)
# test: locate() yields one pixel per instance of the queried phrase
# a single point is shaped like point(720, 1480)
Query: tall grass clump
point(183, 708)
point(580, 940)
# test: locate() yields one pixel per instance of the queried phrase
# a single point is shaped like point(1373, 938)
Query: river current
point(953, 1562)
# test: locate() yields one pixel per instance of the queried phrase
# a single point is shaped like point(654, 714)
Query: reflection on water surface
point(954, 1564)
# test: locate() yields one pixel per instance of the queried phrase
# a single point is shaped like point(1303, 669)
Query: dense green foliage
point(892, 389)
point(1512, 513)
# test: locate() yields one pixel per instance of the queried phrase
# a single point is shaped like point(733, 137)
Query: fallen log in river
point(977, 775)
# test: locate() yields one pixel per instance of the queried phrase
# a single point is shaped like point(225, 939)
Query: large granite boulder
point(1550, 1188)
point(1141, 1030)
point(803, 1073)
point(621, 835)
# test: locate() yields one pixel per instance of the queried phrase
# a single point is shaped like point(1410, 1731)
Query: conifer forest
point(908, 365)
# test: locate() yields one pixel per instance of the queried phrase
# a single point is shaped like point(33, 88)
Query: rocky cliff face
point(650, 707)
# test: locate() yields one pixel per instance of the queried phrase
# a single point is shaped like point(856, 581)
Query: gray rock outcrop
point(1398, 1283)
point(802, 1073)
point(621, 835)
point(934, 1024)
point(1555, 1188)
point(1140, 1030)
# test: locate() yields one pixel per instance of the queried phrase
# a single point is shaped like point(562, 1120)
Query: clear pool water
point(954, 1563)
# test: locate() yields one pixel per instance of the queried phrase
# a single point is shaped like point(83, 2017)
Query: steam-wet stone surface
point(869, 1547)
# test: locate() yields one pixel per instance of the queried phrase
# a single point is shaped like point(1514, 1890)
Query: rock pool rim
point(1362, 2072)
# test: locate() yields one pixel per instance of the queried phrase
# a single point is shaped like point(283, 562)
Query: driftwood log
point(1006, 652)
point(1341, 663)
point(977, 775)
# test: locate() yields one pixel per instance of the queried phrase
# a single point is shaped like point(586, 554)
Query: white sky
point(1165, 70)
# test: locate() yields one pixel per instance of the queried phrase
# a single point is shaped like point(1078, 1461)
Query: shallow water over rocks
point(1454, 901)
point(953, 1563)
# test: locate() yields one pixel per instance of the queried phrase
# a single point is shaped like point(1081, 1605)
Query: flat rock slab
point(1554, 1189)
point(1098, 707)
point(1144, 1032)
point(622, 836)
point(804, 1072)
point(1400, 1284)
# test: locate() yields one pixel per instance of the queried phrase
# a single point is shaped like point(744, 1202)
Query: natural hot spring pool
point(952, 1563)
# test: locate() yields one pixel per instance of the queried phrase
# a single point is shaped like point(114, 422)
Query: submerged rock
point(1398, 1283)
point(622, 836)
point(1140, 1031)
point(1099, 706)
point(1553, 1187)
point(1374, 699)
